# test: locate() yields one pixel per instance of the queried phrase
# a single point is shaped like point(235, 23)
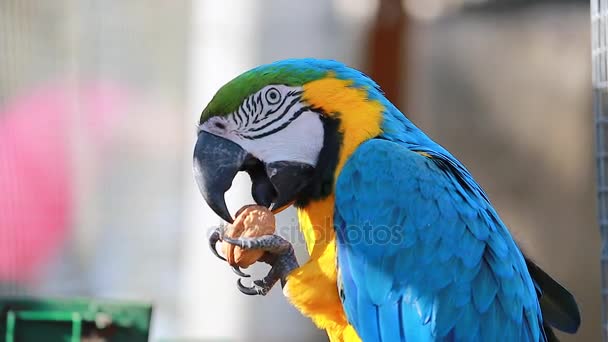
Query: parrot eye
point(273, 96)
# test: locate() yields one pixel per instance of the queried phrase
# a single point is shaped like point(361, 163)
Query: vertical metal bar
point(11, 320)
point(599, 48)
point(76, 327)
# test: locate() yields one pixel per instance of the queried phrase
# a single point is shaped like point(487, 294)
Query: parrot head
point(289, 125)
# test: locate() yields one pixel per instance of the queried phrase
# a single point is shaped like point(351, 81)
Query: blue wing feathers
point(381, 281)
point(389, 324)
point(478, 226)
point(470, 249)
point(501, 267)
point(467, 328)
point(486, 288)
point(366, 315)
point(449, 269)
point(449, 309)
point(492, 327)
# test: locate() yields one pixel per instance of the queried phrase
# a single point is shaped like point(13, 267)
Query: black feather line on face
point(283, 125)
point(281, 116)
point(243, 114)
point(236, 120)
point(322, 184)
point(258, 103)
point(254, 103)
point(248, 105)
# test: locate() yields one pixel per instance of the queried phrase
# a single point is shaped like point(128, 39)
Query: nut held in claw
point(251, 221)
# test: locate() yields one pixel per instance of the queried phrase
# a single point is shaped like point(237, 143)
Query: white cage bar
point(599, 52)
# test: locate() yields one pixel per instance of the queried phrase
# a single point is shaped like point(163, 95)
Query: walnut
point(251, 221)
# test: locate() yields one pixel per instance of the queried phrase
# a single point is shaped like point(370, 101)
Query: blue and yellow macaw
point(404, 245)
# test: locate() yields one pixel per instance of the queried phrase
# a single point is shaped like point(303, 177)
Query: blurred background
point(98, 105)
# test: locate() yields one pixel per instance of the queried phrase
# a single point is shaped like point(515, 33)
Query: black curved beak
point(218, 160)
point(216, 163)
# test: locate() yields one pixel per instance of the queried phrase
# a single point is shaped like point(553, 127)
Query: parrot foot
point(278, 253)
point(216, 237)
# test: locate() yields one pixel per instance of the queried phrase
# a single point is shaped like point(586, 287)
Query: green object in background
point(72, 320)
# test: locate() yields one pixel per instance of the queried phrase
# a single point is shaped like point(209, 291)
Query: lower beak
point(218, 160)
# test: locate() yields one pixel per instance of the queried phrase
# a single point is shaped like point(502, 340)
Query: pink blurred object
point(36, 180)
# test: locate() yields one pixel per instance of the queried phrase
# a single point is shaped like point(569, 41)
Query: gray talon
point(216, 237)
point(258, 288)
point(237, 270)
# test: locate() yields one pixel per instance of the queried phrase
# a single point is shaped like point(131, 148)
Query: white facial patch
point(299, 141)
point(273, 125)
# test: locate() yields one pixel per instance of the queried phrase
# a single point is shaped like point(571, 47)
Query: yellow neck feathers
point(360, 118)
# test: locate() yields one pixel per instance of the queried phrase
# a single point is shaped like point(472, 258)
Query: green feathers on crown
point(295, 72)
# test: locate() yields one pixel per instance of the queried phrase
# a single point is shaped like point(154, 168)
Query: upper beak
point(217, 161)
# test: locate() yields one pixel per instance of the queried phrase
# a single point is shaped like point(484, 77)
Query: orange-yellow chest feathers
point(313, 288)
